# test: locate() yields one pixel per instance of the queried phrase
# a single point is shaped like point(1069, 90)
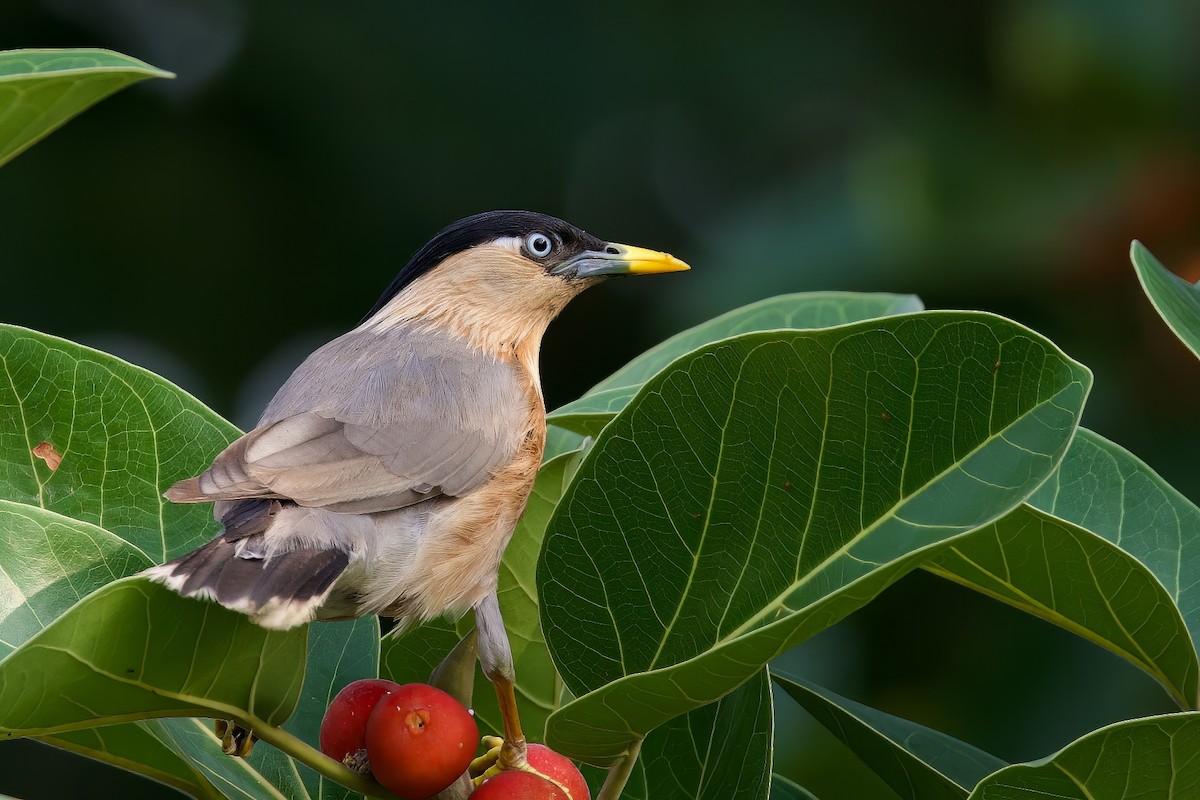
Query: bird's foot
point(235, 740)
point(500, 755)
point(495, 759)
point(504, 755)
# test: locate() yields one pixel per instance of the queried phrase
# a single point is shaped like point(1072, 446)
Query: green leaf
point(1108, 491)
point(262, 776)
point(722, 750)
point(184, 753)
point(917, 762)
point(142, 747)
point(1175, 300)
point(1061, 573)
point(560, 441)
point(592, 412)
point(48, 563)
point(783, 789)
point(1154, 757)
point(455, 673)
point(786, 311)
point(231, 777)
point(765, 486)
point(55, 560)
point(338, 654)
point(42, 89)
point(413, 655)
point(124, 435)
point(135, 649)
point(718, 751)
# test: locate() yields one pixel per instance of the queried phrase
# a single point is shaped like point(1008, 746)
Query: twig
point(296, 748)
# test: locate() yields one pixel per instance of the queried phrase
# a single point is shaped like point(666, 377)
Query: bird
point(389, 472)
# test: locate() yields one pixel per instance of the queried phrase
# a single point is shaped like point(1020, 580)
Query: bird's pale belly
point(438, 557)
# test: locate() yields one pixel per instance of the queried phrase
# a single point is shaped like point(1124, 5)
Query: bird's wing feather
point(366, 426)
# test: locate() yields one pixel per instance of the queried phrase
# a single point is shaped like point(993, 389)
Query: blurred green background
point(996, 155)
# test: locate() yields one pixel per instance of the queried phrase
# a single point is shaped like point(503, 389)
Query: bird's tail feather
point(279, 592)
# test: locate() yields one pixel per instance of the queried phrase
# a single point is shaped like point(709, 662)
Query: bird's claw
point(235, 740)
point(503, 755)
point(489, 763)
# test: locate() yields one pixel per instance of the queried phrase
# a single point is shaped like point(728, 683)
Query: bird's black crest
point(478, 229)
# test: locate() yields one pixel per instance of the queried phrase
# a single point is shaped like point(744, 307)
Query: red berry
point(515, 785)
point(419, 740)
point(344, 727)
point(559, 767)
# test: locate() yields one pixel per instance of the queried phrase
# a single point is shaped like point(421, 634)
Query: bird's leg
point(512, 754)
point(495, 656)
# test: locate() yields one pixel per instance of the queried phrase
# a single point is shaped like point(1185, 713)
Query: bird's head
point(504, 275)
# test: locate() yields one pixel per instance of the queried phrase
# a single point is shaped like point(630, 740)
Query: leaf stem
point(619, 774)
point(295, 747)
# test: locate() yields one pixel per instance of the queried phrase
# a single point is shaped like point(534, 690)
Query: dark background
point(993, 155)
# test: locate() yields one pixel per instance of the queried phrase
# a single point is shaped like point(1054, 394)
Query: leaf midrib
point(779, 601)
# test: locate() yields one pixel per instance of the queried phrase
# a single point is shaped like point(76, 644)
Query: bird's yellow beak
point(619, 259)
point(640, 261)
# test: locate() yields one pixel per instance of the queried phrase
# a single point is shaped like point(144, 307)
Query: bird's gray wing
point(368, 424)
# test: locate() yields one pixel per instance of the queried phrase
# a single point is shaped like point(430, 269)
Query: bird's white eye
point(539, 245)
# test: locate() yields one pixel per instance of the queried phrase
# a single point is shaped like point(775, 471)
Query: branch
point(296, 748)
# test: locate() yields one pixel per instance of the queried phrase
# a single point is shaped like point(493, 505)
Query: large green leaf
point(722, 750)
point(338, 653)
point(1150, 759)
point(414, 654)
point(143, 747)
point(560, 441)
point(58, 392)
point(177, 751)
point(1105, 489)
point(411, 656)
point(1069, 576)
point(201, 660)
point(123, 434)
point(48, 563)
point(135, 649)
point(231, 777)
point(715, 752)
point(917, 762)
point(42, 89)
point(767, 485)
point(786, 311)
point(1175, 300)
point(592, 412)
